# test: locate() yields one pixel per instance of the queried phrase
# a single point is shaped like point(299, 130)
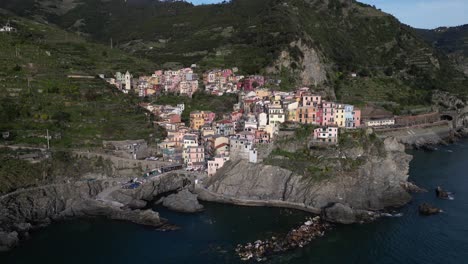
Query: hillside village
point(208, 140)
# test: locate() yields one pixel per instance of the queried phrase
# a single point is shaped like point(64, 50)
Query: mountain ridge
point(301, 42)
point(453, 41)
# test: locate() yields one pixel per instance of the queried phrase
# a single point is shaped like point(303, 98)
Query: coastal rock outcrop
point(36, 207)
point(339, 213)
point(428, 209)
point(8, 240)
point(183, 201)
point(373, 186)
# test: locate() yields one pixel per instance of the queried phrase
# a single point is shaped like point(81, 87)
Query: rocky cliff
point(309, 64)
point(31, 208)
point(347, 197)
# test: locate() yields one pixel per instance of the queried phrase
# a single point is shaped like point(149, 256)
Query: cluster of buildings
point(186, 82)
point(218, 82)
point(208, 141)
point(7, 28)
point(181, 82)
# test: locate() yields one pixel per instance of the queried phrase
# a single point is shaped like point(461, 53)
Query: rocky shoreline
point(27, 210)
point(380, 183)
point(356, 197)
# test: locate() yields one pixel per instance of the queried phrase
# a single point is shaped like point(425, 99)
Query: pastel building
point(252, 82)
point(128, 81)
point(276, 113)
point(225, 128)
point(380, 122)
point(309, 110)
point(200, 118)
point(194, 155)
point(328, 113)
point(326, 134)
point(242, 146)
point(262, 119)
point(352, 117)
point(340, 115)
point(216, 164)
point(292, 109)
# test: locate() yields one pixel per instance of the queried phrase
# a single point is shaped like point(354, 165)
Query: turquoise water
point(211, 236)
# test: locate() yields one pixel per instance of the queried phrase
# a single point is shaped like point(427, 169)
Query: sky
point(416, 13)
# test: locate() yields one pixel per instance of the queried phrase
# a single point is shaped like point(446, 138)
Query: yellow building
point(261, 93)
point(196, 120)
point(200, 118)
point(340, 119)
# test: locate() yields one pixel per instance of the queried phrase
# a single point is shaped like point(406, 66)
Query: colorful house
point(326, 135)
point(339, 112)
point(194, 155)
point(252, 82)
point(216, 164)
point(328, 113)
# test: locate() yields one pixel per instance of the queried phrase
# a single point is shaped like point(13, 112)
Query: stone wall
point(419, 136)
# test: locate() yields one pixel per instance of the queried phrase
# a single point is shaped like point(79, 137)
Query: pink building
point(216, 164)
point(227, 73)
point(357, 117)
point(246, 135)
point(319, 115)
point(194, 154)
point(328, 113)
point(209, 117)
point(236, 116)
point(172, 118)
point(262, 137)
point(252, 82)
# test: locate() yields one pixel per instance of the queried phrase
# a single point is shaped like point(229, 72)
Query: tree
point(388, 71)
point(61, 118)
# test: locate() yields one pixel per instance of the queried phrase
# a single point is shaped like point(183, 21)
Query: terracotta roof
point(221, 145)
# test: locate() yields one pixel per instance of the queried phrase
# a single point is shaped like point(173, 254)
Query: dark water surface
point(211, 236)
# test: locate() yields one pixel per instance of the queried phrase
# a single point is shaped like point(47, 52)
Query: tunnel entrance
point(446, 117)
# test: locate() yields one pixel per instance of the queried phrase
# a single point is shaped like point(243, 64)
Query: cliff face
point(374, 186)
point(24, 210)
point(309, 65)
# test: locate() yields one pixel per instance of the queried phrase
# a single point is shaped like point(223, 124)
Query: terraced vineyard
point(36, 95)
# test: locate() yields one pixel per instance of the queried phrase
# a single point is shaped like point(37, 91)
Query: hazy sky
point(416, 13)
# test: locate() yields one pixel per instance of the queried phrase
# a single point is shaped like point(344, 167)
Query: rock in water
point(427, 209)
point(140, 217)
point(339, 213)
point(8, 240)
point(441, 193)
point(184, 201)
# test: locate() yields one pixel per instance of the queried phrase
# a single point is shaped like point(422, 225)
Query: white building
point(128, 81)
point(7, 28)
point(380, 122)
point(250, 124)
point(240, 148)
point(262, 120)
point(276, 114)
point(326, 134)
point(253, 156)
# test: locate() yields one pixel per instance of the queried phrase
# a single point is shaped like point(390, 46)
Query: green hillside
point(453, 41)
point(348, 37)
point(36, 95)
